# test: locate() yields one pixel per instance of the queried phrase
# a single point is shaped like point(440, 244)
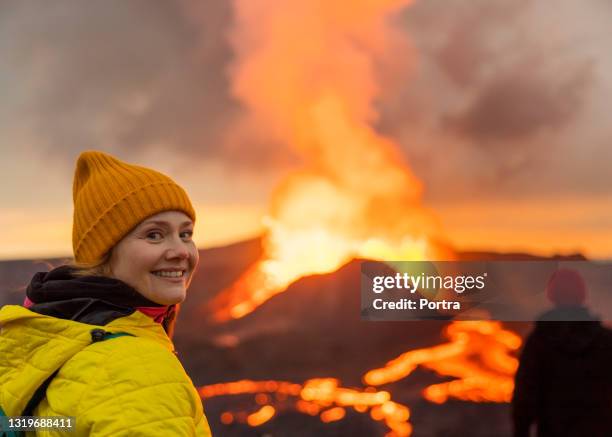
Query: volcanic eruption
point(306, 70)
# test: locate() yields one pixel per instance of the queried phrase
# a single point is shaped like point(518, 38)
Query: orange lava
point(479, 355)
point(321, 396)
point(227, 418)
point(306, 72)
point(333, 414)
point(247, 386)
point(261, 416)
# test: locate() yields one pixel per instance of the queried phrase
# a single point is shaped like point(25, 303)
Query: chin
point(172, 300)
point(167, 297)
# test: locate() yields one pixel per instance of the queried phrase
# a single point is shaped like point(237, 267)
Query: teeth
point(165, 274)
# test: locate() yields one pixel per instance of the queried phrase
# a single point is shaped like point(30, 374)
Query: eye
point(154, 235)
point(186, 235)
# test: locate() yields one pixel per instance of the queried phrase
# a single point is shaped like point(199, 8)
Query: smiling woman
point(95, 335)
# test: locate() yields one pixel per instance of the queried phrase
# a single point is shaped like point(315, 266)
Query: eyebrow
point(162, 223)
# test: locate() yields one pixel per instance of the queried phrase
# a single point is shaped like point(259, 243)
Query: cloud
point(520, 103)
point(499, 90)
point(118, 75)
point(496, 87)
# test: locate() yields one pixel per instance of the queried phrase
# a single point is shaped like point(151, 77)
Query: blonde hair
point(98, 268)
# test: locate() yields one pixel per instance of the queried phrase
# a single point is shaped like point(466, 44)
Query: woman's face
point(158, 257)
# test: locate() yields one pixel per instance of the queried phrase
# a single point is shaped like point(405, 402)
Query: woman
point(92, 340)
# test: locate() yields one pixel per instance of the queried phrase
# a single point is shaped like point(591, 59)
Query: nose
point(177, 249)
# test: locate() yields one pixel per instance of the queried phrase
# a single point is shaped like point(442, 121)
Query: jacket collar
point(95, 300)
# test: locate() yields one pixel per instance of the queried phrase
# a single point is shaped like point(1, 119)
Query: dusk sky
point(500, 108)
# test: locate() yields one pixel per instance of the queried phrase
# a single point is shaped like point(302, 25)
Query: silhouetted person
point(564, 380)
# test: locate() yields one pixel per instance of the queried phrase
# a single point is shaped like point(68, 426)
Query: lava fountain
point(306, 70)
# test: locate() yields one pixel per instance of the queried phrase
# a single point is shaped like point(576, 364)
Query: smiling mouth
point(170, 275)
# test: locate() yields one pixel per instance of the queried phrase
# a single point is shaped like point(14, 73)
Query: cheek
point(137, 263)
point(194, 256)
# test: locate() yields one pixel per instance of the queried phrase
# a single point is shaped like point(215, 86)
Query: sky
point(500, 108)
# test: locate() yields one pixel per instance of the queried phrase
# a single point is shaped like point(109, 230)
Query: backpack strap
point(38, 395)
point(97, 335)
point(7, 433)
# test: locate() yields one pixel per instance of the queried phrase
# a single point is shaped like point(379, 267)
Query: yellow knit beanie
point(111, 197)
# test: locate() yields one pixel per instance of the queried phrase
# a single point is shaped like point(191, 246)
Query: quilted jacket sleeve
point(141, 389)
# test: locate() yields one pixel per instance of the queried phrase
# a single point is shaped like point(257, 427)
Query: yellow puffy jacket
point(131, 385)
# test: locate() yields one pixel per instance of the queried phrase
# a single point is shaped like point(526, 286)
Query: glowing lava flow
point(306, 71)
point(323, 397)
point(478, 354)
